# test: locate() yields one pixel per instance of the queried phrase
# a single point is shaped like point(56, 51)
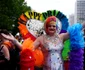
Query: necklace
point(52, 39)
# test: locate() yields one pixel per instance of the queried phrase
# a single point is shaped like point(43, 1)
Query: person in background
point(4, 52)
point(19, 38)
point(9, 51)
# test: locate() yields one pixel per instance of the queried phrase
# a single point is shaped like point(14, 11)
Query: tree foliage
point(10, 10)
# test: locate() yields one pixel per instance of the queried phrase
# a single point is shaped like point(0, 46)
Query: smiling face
point(51, 28)
point(51, 25)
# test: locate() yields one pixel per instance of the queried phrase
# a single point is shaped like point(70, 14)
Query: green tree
point(10, 11)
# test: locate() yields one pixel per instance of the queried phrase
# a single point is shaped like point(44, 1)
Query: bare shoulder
point(37, 42)
point(4, 47)
point(40, 37)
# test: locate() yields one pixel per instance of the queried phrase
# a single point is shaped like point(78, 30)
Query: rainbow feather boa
point(76, 46)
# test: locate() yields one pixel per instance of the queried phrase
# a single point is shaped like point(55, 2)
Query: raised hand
point(9, 37)
point(13, 39)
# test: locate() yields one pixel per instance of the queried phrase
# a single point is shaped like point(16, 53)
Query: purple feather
point(76, 59)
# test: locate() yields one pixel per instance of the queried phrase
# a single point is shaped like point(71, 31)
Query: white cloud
point(65, 6)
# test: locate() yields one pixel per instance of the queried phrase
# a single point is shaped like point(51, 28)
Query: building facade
point(80, 11)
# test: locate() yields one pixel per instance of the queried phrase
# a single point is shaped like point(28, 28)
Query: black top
point(13, 62)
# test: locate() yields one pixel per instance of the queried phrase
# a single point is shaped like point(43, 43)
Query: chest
point(52, 43)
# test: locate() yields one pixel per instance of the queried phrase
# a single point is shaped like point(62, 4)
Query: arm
point(64, 36)
point(13, 40)
point(36, 43)
point(73, 31)
point(6, 52)
point(16, 43)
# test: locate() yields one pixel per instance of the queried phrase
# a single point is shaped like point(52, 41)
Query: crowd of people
point(51, 46)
